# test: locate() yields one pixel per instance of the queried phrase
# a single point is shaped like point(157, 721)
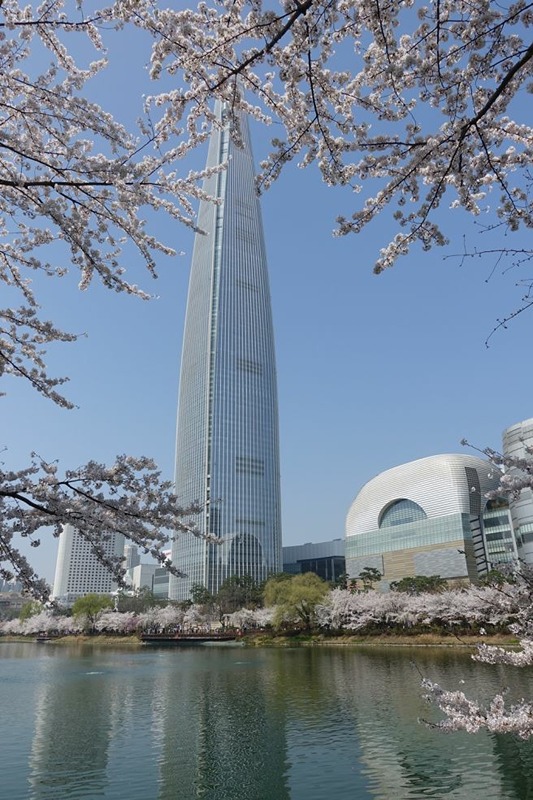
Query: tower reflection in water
point(69, 755)
point(261, 724)
point(220, 730)
point(106, 728)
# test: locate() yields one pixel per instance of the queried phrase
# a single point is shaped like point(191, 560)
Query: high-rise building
point(132, 557)
point(227, 450)
point(517, 439)
point(78, 571)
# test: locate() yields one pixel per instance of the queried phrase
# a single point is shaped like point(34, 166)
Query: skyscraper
point(227, 449)
point(78, 571)
point(517, 439)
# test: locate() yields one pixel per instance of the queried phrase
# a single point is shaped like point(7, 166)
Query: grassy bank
point(391, 639)
point(99, 639)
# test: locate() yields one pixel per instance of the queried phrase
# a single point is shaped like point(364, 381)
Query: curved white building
point(430, 517)
point(516, 439)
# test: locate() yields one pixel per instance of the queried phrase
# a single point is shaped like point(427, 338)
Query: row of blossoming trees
point(458, 611)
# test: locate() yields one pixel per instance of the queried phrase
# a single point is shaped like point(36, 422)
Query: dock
point(188, 638)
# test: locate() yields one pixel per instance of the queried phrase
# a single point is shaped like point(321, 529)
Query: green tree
point(91, 606)
point(30, 609)
point(342, 581)
point(417, 584)
point(496, 577)
point(270, 589)
point(369, 576)
point(138, 602)
point(201, 596)
point(295, 598)
point(239, 591)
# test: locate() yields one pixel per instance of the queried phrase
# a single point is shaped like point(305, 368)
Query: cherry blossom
point(123, 623)
point(462, 713)
point(129, 497)
point(160, 619)
point(452, 610)
point(467, 715)
point(46, 621)
point(251, 618)
point(417, 100)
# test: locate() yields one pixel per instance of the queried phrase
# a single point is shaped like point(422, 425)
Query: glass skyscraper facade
point(227, 446)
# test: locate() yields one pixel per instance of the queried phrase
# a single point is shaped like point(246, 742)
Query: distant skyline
point(372, 371)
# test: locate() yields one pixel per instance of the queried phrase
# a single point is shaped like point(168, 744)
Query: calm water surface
point(228, 723)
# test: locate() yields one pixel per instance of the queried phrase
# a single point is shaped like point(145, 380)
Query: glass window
point(499, 536)
point(401, 512)
point(496, 522)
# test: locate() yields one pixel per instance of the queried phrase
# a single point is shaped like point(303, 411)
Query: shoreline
point(387, 640)
point(317, 640)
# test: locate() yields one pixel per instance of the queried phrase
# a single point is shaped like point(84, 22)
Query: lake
point(235, 723)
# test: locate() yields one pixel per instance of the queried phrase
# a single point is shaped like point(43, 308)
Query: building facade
point(78, 571)
point(516, 439)
point(430, 517)
point(227, 449)
point(325, 559)
point(160, 583)
point(141, 576)
point(132, 556)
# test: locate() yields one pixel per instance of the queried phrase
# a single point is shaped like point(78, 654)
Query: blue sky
point(373, 371)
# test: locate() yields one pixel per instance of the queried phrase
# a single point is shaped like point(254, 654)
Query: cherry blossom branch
point(128, 498)
point(301, 10)
point(504, 83)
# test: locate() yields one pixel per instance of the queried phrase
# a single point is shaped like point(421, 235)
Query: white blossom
point(116, 622)
point(415, 98)
point(128, 498)
point(251, 618)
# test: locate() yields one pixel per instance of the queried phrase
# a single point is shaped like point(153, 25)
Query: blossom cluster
point(129, 497)
point(77, 185)
point(453, 610)
point(159, 619)
point(415, 99)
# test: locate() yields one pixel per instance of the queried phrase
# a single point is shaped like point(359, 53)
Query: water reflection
point(380, 690)
point(73, 718)
point(237, 724)
point(515, 763)
point(220, 734)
